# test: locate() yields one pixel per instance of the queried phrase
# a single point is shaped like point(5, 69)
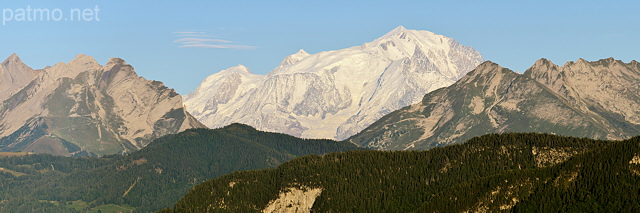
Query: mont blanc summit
point(334, 94)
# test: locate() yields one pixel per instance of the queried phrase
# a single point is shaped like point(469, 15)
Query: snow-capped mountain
point(334, 94)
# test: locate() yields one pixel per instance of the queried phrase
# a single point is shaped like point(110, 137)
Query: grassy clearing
point(82, 206)
point(112, 208)
point(78, 205)
point(14, 173)
point(12, 154)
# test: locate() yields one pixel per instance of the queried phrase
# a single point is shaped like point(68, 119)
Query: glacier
point(334, 94)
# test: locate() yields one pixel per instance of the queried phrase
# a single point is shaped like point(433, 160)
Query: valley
point(150, 179)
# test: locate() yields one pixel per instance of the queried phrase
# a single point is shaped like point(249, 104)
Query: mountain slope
point(573, 100)
point(156, 176)
point(334, 94)
point(84, 108)
point(508, 172)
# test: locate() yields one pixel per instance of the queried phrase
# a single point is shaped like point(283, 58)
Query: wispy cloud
point(220, 46)
point(188, 32)
point(200, 40)
point(195, 39)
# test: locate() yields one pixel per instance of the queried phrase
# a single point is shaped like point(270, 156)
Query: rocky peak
point(488, 77)
point(116, 70)
point(80, 64)
point(544, 70)
point(543, 62)
point(487, 68)
point(607, 62)
point(12, 59)
point(581, 63)
point(605, 66)
point(14, 65)
point(115, 61)
point(14, 75)
point(119, 65)
point(488, 65)
point(84, 60)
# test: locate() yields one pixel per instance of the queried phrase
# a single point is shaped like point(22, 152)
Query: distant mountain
point(152, 178)
point(582, 99)
point(511, 172)
point(84, 108)
point(334, 94)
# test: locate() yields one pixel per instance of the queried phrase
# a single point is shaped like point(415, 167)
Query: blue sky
point(182, 42)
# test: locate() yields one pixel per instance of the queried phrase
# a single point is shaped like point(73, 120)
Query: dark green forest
point(150, 179)
point(519, 172)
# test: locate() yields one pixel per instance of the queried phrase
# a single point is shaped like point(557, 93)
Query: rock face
point(334, 94)
point(583, 99)
point(294, 200)
point(84, 108)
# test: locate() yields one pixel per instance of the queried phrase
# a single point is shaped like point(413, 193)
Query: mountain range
point(597, 99)
point(83, 108)
point(334, 94)
point(551, 139)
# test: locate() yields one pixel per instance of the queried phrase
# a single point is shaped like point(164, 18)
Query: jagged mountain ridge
point(581, 99)
point(84, 107)
point(334, 94)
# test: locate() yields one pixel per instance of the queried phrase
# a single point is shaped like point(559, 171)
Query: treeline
point(158, 175)
point(488, 173)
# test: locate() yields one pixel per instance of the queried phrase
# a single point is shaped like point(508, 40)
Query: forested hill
point(509, 172)
point(150, 179)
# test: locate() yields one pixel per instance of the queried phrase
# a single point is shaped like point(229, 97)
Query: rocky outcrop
point(294, 200)
point(88, 108)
